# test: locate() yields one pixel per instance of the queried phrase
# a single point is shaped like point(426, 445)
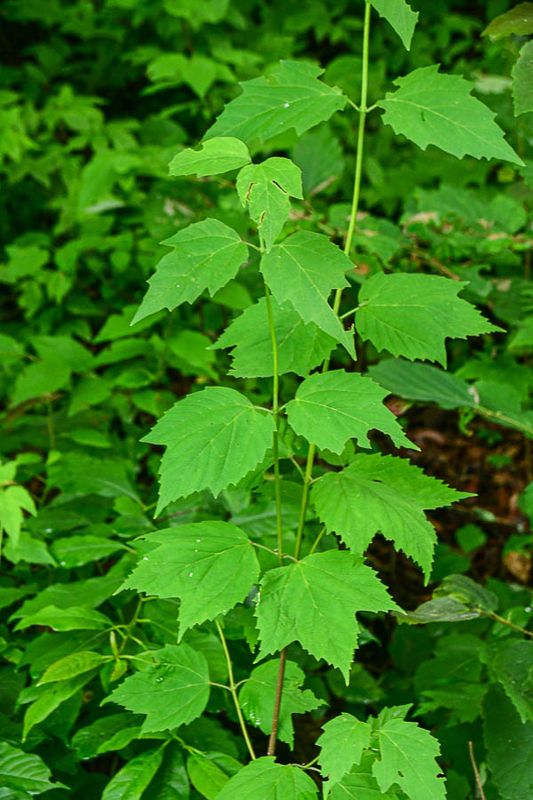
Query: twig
point(277, 705)
point(477, 776)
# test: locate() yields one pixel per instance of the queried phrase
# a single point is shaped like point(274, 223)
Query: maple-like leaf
point(265, 779)
point(400, 16)
point(342, 743)
point(412, 315)
point(219, 155)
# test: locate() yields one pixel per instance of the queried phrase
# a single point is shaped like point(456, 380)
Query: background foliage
point(96, 98)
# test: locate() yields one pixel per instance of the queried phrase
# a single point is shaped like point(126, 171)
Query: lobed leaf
point(331, 408)
point(314, 602)
point(213, 439)
point(342, 743)
point(431, 108)
point(172, 691)
point(290, 97)
point(209, 566)
point(265, 779)
point(301, 346)
point(206, 255)
point(386, 494)
point(412, 315)
point(302, 271)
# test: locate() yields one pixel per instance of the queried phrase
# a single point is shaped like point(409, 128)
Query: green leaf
point(432, 108)
point(289, 97)
point(66, 619)
point(302, 271)
point(329, 409)
point(172, 691)
point(171, 781)
point(72, 665)
point(265, 779)
point(385, 494)
point(510, 663)
point(205, 255)
point(523, 79)
point(74, 551)
point(26, 772)
point(130, 782)
point(314, 601)
point(213, 439)
point(265, 189)
point(13, 501)
point(214, 157)
point(92, 739)
point(209, 773)
point(301, 346)
point(360, 784)
point(509, 744)
point(342, 744)
point(258, 694)
point(50, 698)
point(400, 16)
point(407, 758)
point(209, 566)
point(518, 21)
point(422, 382)
point(412, 315)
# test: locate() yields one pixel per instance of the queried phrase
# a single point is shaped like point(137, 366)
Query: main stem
point(233, 691)
point(347, 248)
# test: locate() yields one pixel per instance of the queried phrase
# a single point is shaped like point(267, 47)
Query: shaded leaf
point(301, 346)
point(342, 743)
point(72, 665)
point(523, 78)
point(173, 690)
point(130, 782)
point(258, 694)
point(516, 21)
point(20, 771)
point(270, 781)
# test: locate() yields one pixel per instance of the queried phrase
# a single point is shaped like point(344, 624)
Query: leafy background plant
point(96, 100)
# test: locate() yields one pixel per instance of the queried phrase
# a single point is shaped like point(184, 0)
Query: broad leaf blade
point(385, 494)
point(206, 255)
point(331, 408)
point(265, 779)
point(523, 79)
point(431, 108)
point(422, 382)
point(130, 782)
point(290, 97)
point(213, 439)
point(302, 271)
point(407, 758)
point(413, 315)
point(400, 16)
point(258, 694)
point(314, 602)
point(301, 346)
point(518, 21)
point(342, 744)
point(209, 566)
point(265, 189)
point(172, 691)
point(23, 772)
point(219, 155)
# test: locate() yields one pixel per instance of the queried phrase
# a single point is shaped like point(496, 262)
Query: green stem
point(131, 625)
point(233, 691)
point(275, 411)
point(497, 618)
point(347, 248)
